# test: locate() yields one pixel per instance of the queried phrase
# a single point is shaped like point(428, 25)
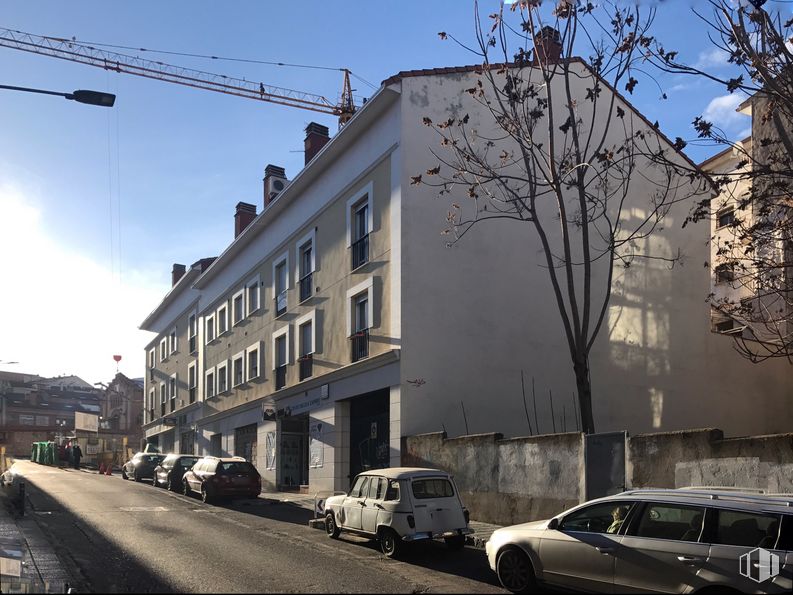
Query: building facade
point(338, 320)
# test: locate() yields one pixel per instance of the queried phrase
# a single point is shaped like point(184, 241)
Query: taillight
point(411, 521)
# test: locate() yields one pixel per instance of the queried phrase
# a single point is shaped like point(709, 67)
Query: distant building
point(122, 411)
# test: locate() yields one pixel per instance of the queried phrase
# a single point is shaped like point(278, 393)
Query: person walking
point(69, 453)
point(77, 454)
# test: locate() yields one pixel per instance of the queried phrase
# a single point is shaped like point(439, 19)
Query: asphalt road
point(119, 536)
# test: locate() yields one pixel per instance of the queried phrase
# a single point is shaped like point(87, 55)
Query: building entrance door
point(369, 432)
point(294, 451)
point(245, 442)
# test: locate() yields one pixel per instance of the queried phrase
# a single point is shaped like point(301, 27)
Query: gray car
point(654, 541)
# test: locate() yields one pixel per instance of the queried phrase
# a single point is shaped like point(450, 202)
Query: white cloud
point(63, 312)
point(712, 58)
point(721, 110)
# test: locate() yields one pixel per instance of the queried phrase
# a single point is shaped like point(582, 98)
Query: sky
point(96, 204)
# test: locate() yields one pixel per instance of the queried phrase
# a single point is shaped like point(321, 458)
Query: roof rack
point(719, 494)
point(725, 489)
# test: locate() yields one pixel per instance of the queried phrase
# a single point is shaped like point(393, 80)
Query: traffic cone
point(101, 468)
point(109, 469)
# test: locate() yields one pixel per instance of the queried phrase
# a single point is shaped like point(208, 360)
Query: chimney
point(177, 272)
point(242, 218)
point(274, 182)
point(547, 46)
point(316, 137)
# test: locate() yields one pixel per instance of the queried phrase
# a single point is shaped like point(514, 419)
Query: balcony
point(360, 345)
point(360, 252)
point(280, 303)
point(306, 287)
point(280, 377)
point(306, 366)
point(192, 394)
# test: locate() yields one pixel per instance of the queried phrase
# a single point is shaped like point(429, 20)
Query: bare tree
point(755, 243)
point(554, 146)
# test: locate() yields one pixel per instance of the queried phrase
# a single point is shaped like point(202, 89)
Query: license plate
point(240, 479)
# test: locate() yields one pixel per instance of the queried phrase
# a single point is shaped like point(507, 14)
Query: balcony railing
point(306, 366)
point(360, 345)
point(173, 403)
point(151, 414)
point(162, 409)
point(280, 377)
point(306, 287)
point(193, 344)
point(360, 251)
point(280, 303)
point(192, 394)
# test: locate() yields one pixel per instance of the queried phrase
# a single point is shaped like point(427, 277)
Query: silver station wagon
point(654, 541)
point(400, 505)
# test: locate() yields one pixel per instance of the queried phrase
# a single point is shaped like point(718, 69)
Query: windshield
point(151, 458)
point(188, 462)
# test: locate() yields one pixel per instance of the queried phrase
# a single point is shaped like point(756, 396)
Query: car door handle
point(380, 506)
point(605, 550)
point(362, 503)
point(689, 559)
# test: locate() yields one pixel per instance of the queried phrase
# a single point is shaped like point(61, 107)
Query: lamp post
point(80, 96)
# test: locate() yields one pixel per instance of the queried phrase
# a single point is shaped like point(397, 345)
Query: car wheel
point(331, 527)
point(186, 488)
point(206, 496)
point(172, 485)
point(455, 543)
point(137, 476)
point(124, 474)
point(390, 543)
point(515, 571)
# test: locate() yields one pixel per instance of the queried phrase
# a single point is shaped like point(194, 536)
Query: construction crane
point(73, 51)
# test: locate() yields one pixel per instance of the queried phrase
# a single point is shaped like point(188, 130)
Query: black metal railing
point(162, 409)
point(280, 377)
point(173, 403)
point(280, 303)
point(192, 394)
point(151, 414)
point(306, 366)
point(360, 251)
point(360, 345)
point(193, 344)
point(306, 287)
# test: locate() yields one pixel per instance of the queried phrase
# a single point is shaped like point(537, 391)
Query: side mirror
point(553, 524)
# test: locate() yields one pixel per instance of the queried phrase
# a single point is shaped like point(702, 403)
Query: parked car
point(398, 506)
point(669, 541)
point(141, 466)
point(215, 477)
point(170, 471)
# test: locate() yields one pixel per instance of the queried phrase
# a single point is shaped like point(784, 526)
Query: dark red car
point(215, 477)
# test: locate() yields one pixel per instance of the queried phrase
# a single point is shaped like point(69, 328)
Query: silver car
point(654, 541)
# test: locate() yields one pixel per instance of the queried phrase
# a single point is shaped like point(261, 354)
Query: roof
point(726, 152)
point(185, 282)
point(726, 497)
point(405, 472)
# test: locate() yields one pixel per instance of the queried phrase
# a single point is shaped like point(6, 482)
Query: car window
point(392, 493)
point(151, 458)
point(670, 521)
point(187, 462)
point(377, 488)
point(432, 488)
point(734, 527)
point(786, 533)
point(361, 487)
point(235, 467)
point(606, 517)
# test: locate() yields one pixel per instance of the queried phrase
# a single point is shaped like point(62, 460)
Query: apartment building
point(338, 320)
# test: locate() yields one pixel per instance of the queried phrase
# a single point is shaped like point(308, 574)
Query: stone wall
point(505, 481)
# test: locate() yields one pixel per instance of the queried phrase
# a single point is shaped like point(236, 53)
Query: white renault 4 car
point(400, 505)
point(654, 541)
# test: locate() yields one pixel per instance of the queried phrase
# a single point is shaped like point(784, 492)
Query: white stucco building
point(338, 321)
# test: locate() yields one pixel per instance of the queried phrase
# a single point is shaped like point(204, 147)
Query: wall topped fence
point(514, 480)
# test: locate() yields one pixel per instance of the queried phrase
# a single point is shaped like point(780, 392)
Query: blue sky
point(97, 204)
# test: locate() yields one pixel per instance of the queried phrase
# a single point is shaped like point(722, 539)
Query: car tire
point(171, 485)
point(186, 489)
point(124, 474)
point(206, 496)
point(331, 528)
point(390, 543)
point(515, 571)
point(136, 476)
point(455, 543)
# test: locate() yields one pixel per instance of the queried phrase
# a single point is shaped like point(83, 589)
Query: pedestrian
point(77, 455)
point(69, 452)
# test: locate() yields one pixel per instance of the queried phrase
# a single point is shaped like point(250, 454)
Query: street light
point(80, 96)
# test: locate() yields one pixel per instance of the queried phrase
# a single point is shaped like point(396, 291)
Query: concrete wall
point(705, 458)
point(505, 481)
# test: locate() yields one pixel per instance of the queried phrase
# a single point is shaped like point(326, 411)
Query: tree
point(758, 249)
point(548, 142)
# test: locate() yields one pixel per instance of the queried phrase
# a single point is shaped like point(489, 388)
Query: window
point(280, 283)
point(209, 384)
point(671, 521)
point(726, 217)
point(172, 391)
point(163, 349)
point(598, 518)
point(253, 360)
point(280, 355)
point(238, 368)
point(361, 487)
point(152, 401)
point(746, 529)
point(238, 307)
point(210, 328)
point(252, 291)
point(725, 273)
point(392, 493)
point(152, 358)
point(377, 488)
point(172, 341)
point(222, 375)
point(27, 420)
point(192, 382)
point(163, 398)
point(191, 332)
point(359, 225)
point(223, 319)
point(432, 488)
point(306, 349)
point(306, 265)
point(360, 335)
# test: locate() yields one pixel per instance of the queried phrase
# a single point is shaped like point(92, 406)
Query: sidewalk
point(25, 552)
